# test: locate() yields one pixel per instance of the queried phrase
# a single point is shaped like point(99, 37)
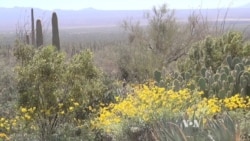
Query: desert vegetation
point(163, 81)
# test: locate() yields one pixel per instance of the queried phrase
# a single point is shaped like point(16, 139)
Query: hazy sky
point(121, 4)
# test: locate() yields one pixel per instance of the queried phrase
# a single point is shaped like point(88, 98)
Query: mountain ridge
point(94, 17)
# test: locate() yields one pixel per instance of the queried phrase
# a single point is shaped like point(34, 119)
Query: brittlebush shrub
point(149, 103)
point(146, 104)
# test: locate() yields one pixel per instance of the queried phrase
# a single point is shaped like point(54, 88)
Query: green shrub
point(54, 92)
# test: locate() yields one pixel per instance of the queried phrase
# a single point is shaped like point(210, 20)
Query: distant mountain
point(11, 18)
point(67, 18)
point(213, 14)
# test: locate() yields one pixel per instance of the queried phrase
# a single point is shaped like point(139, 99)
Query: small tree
point(151, 46)
point(162, 28)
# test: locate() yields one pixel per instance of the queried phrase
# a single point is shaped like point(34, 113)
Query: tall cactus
point(55, 31)
point(39, 33)
point(27, 39)
point(32, 28)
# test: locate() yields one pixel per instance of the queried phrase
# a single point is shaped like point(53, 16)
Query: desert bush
point(152, 43)
point(212, 51)
point(139, 109)
point(54, 92)
point(134, 116)
point(165, 41)
point(216, 65)
point(137, 64)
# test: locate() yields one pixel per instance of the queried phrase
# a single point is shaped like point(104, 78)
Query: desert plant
point(23, 52)
point(162, 28)
point(137, 63)
point(39, 33)
point(32, 28)
point(217, 65)
point(215, 129)
point(42, 74)
point(213, 50)
point(27, 41)
point(158, 39)
point(53, 92)
point(55, 31)
point(148, 103)
point(228, 79)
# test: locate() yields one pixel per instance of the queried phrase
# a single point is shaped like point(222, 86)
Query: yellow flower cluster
point(212, 106)
point(148, 102)
point(63, 109)
point(27, 112)
point(7, 124)
point(145, 104)
point(236, 102)
point(205, 107)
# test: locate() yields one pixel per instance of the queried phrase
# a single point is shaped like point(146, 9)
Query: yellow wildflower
point(62, 112)
point(71, 108)
point(76, 103)
point(23, 110)
point(27, 116)
point(60, 105)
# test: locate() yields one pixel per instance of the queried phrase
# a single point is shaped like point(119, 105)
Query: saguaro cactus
point(39, 33)
point(32, 28)
point(55, 31)
point(27, 39)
